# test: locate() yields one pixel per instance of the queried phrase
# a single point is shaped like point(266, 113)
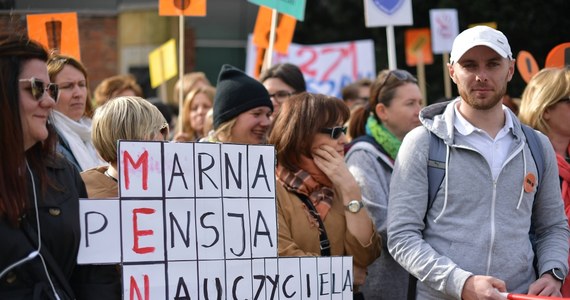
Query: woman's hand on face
point(332, 164)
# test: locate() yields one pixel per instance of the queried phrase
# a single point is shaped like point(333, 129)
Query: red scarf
point(311, 182)
point(564, 171)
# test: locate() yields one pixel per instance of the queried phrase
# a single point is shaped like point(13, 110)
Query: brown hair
point(383, 90)
point(56, 63)
point(14, 52)
point(298, 122)
point(111, 86)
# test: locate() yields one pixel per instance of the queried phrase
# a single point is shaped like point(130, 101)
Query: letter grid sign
point(199, 221)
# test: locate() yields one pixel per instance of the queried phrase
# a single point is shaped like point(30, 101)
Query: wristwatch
point(354, 206)
point(556, 273)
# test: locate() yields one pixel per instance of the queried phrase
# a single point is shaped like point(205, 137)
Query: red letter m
point(143, 160)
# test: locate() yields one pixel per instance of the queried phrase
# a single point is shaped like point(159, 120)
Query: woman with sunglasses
point(72, 113)
point(319, 202)
point(378, 130)
point(124, 118)
point(39, 190)
point(545, 106)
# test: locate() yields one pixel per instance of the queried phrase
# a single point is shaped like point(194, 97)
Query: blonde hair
point(124, 118)
point(545, 89)
point(186, 125)
point(224, 132)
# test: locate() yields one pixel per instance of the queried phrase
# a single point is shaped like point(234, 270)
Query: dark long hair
point(290, 74)
point(14, 52)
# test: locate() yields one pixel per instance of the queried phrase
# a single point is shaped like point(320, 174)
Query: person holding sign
point(320, 209)
point(545, 106)
point(471, 240)
point(282, 81)
point(124, 118)
point(72, 112)
point(39, 189)
point(392, 111)
point(242, 109)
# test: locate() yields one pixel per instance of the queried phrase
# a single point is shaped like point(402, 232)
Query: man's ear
point(451, 72)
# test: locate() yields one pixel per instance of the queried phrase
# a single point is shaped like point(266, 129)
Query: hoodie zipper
point(493, 204)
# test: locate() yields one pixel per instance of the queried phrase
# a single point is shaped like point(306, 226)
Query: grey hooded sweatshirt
point(477, 225)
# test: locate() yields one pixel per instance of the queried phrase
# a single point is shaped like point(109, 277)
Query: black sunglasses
point(38, 88)
point(401, 75)
point(334, 132)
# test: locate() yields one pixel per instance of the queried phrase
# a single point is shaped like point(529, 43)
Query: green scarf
point(383, 136)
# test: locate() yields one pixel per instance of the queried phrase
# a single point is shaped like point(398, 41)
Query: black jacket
point(58, 211)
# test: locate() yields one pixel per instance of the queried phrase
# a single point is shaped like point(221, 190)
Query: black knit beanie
point(236, 93)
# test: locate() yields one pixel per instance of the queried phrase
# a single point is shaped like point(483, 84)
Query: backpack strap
point(535, 149)
point(436, 166)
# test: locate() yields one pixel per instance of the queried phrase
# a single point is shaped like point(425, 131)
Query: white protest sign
point(381, 13)
point(444, 28)
point(327, 68)
point(199, 221)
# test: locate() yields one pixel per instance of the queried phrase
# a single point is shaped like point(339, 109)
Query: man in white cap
point(471, 241)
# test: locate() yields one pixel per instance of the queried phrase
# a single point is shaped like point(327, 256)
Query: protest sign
point(199, 221)
point(295, 8)
point(182, 8)
point(327, 67)
point(57, 32)
point(162, 63)
point(526, 65)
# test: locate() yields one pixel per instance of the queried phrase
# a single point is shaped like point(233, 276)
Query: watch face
point(354, 206)
point(558, 274)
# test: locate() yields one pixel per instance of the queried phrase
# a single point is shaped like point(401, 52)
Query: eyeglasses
point(401, 75)
point(38, 88)
point(334, 132)
point(281, 96)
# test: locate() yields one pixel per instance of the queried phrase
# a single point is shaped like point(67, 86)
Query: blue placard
point(294, 8)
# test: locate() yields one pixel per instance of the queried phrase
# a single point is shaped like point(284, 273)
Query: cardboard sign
point(444, 28)
point(418, 47)
point(162, 63)
point(527, 66)
point(294, 8)
point(195, 8)
point(379, 13)
point(559, 56)
point(199, 221)
point(327, 67)
point(283, 34)
point(57, 32)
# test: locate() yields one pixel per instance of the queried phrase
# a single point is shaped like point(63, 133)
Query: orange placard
point(527, 66)
point(559, 56)
point(283, 32)
point(195, 8)
point(57, 32)
point(418, 46)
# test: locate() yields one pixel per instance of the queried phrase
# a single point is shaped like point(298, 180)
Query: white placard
point(327, 68)
point(381, 13)
point(444, 28)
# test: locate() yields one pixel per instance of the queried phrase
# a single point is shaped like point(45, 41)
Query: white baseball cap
point(480, 36)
